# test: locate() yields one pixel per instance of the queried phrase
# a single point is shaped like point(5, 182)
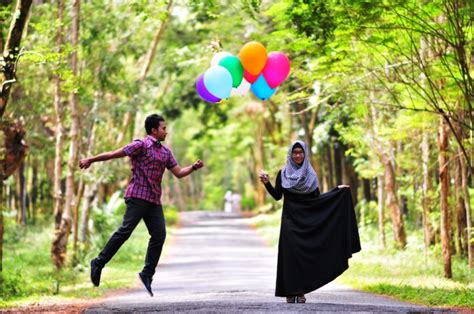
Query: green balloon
point(233, 65)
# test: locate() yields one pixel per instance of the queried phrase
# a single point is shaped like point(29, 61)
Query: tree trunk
point(461, 236)
point(178, 192)
point(427, 193)
point(2, 206)
point(156, 40)
point(13, 133)
point(392, 202)
point(330, 173)
point(82, 184)
point(20, 194)
point(381, 201)
point(352, 180)
point(366, 187)
point(464, 170)
point(34, 187)
point(316, 163)
point(470, 247)
point(90, 188)
point(274, 125)
point(90, 192)
point(58, 198)
point(79, 194)
point(444, 193)
point(259, 156)
point(308, 126)
point(338, 157)
point(27, 191)
point(11, 50)
point(129, 117)
point(59, 250)
point(390, 182)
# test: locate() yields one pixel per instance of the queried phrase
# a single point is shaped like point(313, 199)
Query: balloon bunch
point(253, 69)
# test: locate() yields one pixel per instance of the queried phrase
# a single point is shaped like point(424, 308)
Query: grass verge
point(29, 277)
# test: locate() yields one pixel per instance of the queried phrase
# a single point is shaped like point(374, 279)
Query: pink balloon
point(277, 68)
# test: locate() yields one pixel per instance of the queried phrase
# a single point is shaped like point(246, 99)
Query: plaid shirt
point(149, 159)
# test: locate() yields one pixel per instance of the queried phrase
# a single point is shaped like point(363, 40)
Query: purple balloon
point(203, 92)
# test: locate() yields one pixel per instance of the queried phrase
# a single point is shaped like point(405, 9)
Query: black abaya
point(317, 237)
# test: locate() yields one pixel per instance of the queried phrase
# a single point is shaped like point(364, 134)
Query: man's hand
point(264, 177)
point(198, 164)
point(85, 163)
point(343, 186)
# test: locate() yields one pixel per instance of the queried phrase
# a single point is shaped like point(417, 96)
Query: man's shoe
point(146, 282)
point(96, 271)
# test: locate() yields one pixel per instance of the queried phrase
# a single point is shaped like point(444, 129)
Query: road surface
point(216, 262)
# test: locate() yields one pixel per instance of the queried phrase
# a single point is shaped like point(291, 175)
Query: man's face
point(161, 132)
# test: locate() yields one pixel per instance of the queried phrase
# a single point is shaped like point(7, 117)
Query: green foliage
point(252, 7)
point(267, 226)
point(106, 219)
point(313, 18)
point(367, 212)
point(429, 296)
point(171, 215)
point(5, 12)
point(214, 196)
point(410, 276)
point(148, 9)
point(11, 285)
point(248, 199)
point(28, 271)
point(28, 275)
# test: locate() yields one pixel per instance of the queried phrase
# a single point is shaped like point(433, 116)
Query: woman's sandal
point(290, 299)
point(301, 299)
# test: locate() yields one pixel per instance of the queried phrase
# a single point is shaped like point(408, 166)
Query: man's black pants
point(152, 214)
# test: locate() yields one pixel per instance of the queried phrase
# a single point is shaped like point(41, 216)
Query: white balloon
point(219, 56)
point(242, 89)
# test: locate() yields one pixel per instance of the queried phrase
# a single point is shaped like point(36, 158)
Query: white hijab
point(299, 179)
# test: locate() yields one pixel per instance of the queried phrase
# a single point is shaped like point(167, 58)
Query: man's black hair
point(153, 122)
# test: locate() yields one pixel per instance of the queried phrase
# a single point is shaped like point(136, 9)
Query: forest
point(381, 92)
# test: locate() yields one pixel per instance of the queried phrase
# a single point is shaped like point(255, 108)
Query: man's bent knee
point(123, 233)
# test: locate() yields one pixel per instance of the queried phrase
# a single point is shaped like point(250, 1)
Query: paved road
point(217, 263)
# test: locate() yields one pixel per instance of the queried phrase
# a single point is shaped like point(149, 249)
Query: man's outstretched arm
point(86, 162)
point(183, 172)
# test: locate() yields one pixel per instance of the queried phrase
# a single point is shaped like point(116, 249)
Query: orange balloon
point(253, 57)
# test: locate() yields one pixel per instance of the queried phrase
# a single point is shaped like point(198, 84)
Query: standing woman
point(318, 231)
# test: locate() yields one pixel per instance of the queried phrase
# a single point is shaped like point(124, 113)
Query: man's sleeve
point(135, 148)
point(171, 161)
